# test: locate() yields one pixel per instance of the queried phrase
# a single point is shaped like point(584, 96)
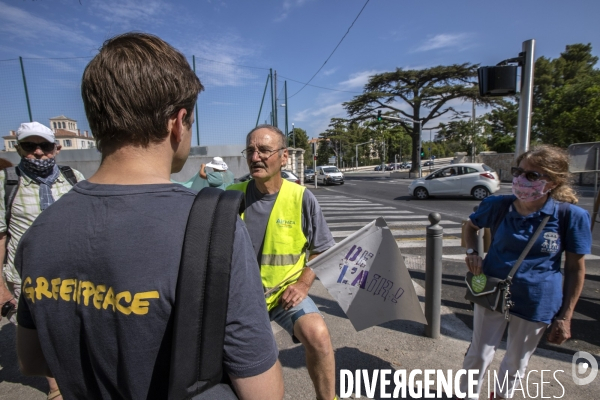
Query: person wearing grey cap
point(27, 190)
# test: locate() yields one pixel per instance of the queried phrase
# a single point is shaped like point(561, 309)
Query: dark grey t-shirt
point(103, 262)
point(258, 210)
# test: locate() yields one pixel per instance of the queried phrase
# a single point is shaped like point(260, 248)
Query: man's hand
point(294, 294)
point(560, 331)
point(6, 296)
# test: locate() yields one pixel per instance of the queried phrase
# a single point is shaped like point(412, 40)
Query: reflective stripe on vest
point(284, 245)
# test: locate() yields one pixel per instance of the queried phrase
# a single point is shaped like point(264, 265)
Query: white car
point(477, 180)
point(328, 174)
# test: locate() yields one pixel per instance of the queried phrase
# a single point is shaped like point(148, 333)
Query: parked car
point(393, 166)
point(407, 165)
point(309, 175)
point(329, 174)
point(377, 168)
point(288, 175)
point(477, 180)
point(428, 163)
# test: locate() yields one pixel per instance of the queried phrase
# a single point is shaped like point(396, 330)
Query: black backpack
point(200, 308)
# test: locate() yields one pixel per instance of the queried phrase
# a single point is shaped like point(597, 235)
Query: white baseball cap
point(34, 129)
point(218, 163)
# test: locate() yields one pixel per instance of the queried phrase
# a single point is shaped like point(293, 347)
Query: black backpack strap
point(200, 308)
point(68, 174)
point(11, 185)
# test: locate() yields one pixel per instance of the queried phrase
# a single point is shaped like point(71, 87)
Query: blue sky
point(236, 42)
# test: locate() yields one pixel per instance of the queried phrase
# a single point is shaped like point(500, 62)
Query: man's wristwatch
point(472, 252)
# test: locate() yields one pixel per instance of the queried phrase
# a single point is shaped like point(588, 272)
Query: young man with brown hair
point(100, 307)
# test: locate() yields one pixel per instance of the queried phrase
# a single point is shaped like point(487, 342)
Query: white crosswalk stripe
point(345, 215)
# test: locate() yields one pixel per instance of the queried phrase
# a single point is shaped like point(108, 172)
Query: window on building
point(12, 144)
point(63, 125)
point(54, 124)
point(67, 142)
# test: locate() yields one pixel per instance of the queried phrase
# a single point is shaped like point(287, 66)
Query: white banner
point(366, 275)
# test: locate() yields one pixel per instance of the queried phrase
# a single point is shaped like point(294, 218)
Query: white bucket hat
point(218, 163)
point(34, 129)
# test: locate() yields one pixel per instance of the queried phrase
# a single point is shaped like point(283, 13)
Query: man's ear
point(176, 125)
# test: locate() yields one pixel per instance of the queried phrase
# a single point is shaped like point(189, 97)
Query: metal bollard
point(480, 233)
point(433, 276)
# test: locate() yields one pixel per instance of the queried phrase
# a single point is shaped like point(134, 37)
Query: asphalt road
point(378, 189)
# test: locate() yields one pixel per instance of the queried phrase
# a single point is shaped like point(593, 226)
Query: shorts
point(287, 318)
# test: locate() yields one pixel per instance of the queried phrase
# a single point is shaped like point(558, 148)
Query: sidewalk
point(402, 345)
point(394, 345)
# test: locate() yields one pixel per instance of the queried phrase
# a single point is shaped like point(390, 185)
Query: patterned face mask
point(38, 167)
point(528, 191)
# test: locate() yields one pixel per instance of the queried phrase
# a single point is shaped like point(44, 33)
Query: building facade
point(66, 133)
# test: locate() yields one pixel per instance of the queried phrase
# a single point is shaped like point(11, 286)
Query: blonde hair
point(554, 161)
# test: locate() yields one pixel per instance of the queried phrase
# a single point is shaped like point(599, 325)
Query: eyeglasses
point(531, 176)
point(30, 146)
point(263, 155)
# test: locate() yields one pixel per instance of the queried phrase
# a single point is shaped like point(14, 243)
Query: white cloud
point(24, 25)
point(358, 80)
point(126, 13)
point(331, 71)
point(445, 40)
point(287, 7)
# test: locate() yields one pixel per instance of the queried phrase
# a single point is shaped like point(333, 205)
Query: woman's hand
point(560, 331)
point(474, 263)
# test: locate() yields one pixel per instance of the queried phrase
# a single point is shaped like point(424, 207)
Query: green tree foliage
point(566, 98)
point(465, 136)
point(503, 121)
point(426, 92)
point(301, 141)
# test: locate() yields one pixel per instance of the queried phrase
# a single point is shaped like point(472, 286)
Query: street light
point(294, 133)
point(360, 144)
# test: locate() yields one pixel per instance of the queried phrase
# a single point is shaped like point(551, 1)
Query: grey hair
point(273, 129)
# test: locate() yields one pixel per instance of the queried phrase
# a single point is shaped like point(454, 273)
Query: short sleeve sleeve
point(314, 225)
point(579, 236)
point(486, 212)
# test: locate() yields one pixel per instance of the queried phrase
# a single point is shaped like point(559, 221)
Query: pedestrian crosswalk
point(345, 215)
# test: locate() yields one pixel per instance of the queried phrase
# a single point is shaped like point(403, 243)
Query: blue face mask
point(38, 167)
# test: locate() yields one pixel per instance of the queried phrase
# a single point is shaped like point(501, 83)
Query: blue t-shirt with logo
point(537, 285)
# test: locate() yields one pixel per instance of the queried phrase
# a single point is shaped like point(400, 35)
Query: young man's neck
point(270, 186)
point(131, 165)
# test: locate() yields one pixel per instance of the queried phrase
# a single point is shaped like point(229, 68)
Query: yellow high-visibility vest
point(284, 245)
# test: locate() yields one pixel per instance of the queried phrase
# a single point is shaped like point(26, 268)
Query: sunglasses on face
point(30, 146)
point(531, 176)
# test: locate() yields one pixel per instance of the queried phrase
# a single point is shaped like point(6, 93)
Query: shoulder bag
point(494, 293)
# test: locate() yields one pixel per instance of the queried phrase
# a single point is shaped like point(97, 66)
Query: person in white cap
point(27, 190)
point(221, 177)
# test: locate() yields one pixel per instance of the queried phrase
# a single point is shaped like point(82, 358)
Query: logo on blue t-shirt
point(550, 244)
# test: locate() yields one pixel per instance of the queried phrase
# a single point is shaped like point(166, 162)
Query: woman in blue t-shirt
point(540, 184)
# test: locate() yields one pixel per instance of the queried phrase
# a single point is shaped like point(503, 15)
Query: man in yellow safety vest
point(285, 222)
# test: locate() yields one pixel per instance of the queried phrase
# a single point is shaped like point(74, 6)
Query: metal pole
point(433, 276)
point(420, 145)
point(357, 157)
point(26, 91)
point(294, 134)
point(263, 99)
point(197, 126)
point(286, 107)
point(275, 122)
point(272, 99)
point(480, 247)
point(526, 103)
point(473, 137)
point(596, 180)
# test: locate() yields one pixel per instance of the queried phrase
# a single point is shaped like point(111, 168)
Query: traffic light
point(379, 115)
point(422, 153)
